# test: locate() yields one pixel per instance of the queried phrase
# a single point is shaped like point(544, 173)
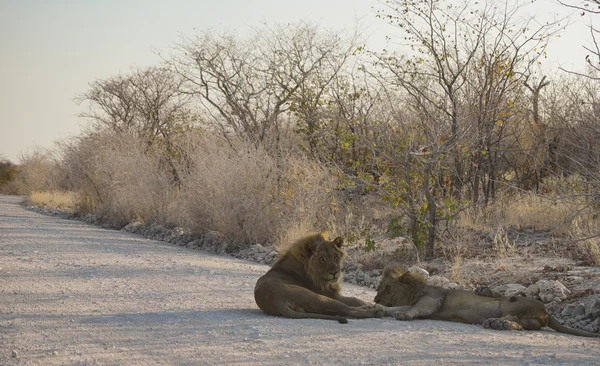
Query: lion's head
point(321, 260)
point(398, 287)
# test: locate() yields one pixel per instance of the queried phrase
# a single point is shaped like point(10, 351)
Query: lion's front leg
point(422, 309)
point(352, 301)
point(375, 310)
point(392, 310)
point(327, 305)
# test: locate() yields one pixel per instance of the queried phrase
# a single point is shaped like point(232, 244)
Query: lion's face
point(397, 286)
point(325, 261)
point(386, 290)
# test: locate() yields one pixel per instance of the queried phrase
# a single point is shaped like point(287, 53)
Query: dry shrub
point(37, 171)
point(242, 191)
point(251, 196)
point(119, 177)
point(54, 199)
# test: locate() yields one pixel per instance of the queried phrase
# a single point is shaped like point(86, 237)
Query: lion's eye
point(322, 259)
point(335, 256)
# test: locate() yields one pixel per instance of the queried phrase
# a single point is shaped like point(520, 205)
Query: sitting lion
point(305, 282)
point(408, 297)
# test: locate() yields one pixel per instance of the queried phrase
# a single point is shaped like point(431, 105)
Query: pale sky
point(52, 49)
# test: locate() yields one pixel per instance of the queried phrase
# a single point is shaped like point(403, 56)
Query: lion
point(407, 296)
point(305, 282)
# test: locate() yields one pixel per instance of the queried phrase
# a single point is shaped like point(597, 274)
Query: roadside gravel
point(73, 293)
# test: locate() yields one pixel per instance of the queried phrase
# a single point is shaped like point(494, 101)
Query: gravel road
point(71, 293)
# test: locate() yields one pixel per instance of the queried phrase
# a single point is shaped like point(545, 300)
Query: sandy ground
point(71, 293)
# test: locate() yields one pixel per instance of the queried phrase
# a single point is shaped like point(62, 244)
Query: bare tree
point(145, 103)
point(246, 86)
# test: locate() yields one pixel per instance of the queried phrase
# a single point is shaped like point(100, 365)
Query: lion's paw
point(501, 324)
point(380, 311)
point(402, 316)
point(390, 312)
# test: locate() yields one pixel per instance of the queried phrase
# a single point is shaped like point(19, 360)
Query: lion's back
point(468, 307)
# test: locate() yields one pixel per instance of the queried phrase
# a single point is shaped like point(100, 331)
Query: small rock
point(533, 291)
point(568, 310)
point(420, 271)
point(452, 286)
point(510, 289)
point(593, 310)
point(579, 311)
point(596, 324)
point(437, 281)
point(551, 290)
point(573, 279)
point(258, 247)
point(15, 354)
point(590, 328)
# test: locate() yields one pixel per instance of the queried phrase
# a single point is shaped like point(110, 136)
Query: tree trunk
point(432, 211)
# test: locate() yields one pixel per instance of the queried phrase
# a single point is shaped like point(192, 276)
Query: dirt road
point(71, 293)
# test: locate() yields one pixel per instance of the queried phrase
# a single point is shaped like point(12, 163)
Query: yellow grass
point(59, 200)
point(456, 272)
point(541, 213)
point(591, 250)
point(544, 213)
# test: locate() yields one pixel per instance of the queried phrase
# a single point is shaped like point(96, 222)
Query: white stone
point(423, 273)
point(551, 290)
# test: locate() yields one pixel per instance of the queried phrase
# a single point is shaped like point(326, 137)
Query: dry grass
point(502, 245)
point(590, 250)
point(54, 199)
point(557, 215)
point(456, 271)
point(541, 213)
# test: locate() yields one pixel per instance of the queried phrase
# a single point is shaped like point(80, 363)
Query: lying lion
point(305, 283)
point(408, 297)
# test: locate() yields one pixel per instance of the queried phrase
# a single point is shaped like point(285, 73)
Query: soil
point(73, 293)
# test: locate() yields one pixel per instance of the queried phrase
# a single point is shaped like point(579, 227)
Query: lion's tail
point(289, 313)
point(554, 324)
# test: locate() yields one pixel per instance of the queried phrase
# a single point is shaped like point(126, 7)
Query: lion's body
point(408, 297)
point(305, 283)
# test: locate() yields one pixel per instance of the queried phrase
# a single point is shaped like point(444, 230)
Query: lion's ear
point(338, 242)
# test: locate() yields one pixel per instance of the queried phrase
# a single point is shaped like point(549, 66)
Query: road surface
point(72, 293)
